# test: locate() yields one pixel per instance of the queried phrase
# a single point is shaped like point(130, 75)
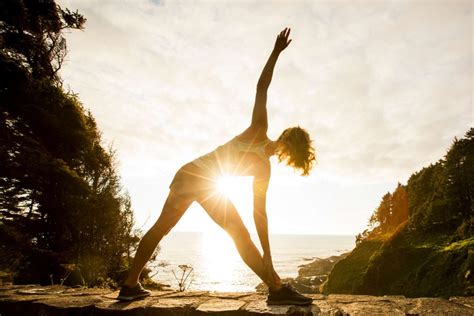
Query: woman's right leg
point(173, 210)
point(224, 213)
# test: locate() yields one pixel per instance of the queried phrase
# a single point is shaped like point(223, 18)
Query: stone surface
point(466, 301)
point(425, 305)
point(220, 305)
point(61, 300)
point(261, 308)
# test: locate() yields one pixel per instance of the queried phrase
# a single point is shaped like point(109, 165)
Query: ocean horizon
point(217, 265)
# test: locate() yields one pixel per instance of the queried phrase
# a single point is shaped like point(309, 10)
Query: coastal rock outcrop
point(311, 275)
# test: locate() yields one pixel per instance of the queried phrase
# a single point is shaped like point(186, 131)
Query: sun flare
point(239, 192)
point(227, 185)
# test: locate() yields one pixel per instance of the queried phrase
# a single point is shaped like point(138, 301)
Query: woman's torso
point(237, 157)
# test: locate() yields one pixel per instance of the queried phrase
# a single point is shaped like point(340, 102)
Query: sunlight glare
point(227, 185)
point(221, 260)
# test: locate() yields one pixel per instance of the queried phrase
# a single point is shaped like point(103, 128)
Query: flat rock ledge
point(61, 300)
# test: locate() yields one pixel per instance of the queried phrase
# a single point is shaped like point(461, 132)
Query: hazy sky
point(382, 86)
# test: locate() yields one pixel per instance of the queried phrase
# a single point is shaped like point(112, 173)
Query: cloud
point(382, 86)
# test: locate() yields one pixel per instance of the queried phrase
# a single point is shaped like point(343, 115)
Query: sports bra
point(226, 158)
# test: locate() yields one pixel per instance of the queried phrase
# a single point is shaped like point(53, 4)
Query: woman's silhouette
point(246, 154)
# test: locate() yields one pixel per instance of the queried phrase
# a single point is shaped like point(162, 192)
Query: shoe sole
point(289, 302)
point(131, 298)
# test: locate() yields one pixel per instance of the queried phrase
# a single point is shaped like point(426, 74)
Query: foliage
point(61, 201)
point(405, 266)
point(420, 238)
point(427, 231)
point(348, 278)
point(436, 198)
point(390, 214)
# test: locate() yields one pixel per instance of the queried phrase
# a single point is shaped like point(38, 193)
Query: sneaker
point(287, 295)
point(132, 293)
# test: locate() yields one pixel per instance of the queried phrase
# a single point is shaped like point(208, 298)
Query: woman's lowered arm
point(259, 115)
point(260, 186)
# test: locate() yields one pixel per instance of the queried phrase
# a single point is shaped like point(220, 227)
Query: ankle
point(129, 284)
point(275, 287)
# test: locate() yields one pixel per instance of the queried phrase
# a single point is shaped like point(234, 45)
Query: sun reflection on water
point(220, 261)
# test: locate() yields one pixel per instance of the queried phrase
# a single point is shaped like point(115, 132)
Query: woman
point(246, 154)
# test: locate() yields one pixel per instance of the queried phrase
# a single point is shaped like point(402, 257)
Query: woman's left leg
point(174, 208)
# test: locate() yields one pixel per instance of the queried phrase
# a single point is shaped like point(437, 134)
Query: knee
point(173, 210)
point(162, 227)
point(156, 232)
point(160, 232)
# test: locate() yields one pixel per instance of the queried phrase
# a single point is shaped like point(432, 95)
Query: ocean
point(217, 265)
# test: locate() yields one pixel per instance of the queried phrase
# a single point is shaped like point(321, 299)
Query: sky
point(382, 87)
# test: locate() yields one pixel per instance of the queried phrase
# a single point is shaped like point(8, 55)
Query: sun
point(227, 185)
point(237, 190)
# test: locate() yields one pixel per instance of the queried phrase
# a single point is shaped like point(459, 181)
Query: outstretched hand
point(282, 41)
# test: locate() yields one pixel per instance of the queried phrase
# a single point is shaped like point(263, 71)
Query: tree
point(399, 206)
point(32, 35)
point(437, 199)
point(61, 201)
point(460, 179)
point(381, 217)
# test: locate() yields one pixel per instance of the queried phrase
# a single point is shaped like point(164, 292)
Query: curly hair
point(294, 147)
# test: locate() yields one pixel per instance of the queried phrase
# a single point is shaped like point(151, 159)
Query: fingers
point(285, 34)
point(282, 40)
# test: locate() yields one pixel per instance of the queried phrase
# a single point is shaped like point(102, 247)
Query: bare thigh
point(174, 208)
point(223, 212)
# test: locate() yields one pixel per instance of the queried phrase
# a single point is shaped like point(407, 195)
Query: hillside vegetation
point(420, 239)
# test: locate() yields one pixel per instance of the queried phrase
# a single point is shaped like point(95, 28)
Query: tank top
point(225, 159)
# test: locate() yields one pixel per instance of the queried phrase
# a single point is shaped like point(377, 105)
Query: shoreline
point(310, 275)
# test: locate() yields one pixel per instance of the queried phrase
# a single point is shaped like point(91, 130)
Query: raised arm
point(259, 115)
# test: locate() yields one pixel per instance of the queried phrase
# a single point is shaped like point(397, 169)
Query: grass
point(347, 276)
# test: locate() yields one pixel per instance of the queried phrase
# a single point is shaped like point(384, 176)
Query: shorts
point(192, 182)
